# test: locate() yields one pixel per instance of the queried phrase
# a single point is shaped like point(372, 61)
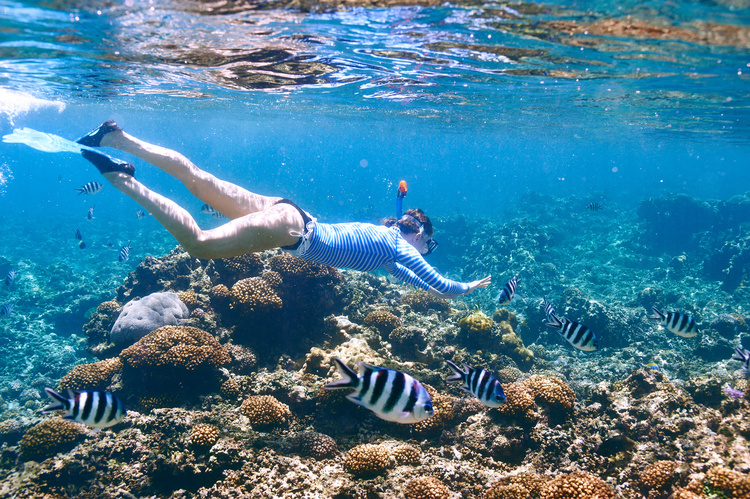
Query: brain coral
point(94, 376)
point(426, 487)
point(368, 460)
point(254, 294)
point(576, 485)
point(316, 445)
point(50, 437)
point(382, 320)
point(422, 301)
point(264, 411)
point(204, 435)
point(181, 347)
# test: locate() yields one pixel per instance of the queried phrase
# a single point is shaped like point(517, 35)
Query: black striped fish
point(90, 214)
point(480, 383)
point(680, 324)
point(390, 394)
point(210, 210)
point(594, 206)
point(124, 253)
point(509, 290)
point(92, 408)
point(90, 188)
point(140, 214)
point(81, 244)
point(10, 277)
point(7, 310)
point(549, 310)
point(743, 356)
point(576, 334)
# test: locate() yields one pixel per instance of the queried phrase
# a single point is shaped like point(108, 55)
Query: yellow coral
point(426, 487)
point(204, 435)
point(50, 437)
point(731, 483)
point(576, 485)
point(476, 322)
point(94, 376)
point(368, 460)
point(181, 347)
point(264, 411)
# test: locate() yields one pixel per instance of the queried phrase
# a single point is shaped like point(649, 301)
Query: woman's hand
point(482, 283)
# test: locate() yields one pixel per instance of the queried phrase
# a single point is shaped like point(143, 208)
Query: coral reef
point(315, 445)
point(94, 376)
point(422, 301)
point(383, 321)
point(426, 487)
point(204, 435)
point(50, 437)
point(368, 460)
point(265, 411)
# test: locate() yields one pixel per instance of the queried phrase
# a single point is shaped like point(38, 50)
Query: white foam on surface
point(14, 104)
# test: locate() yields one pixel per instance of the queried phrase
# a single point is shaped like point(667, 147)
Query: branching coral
point(658, 475)
point(368, 460)
point(254, 295)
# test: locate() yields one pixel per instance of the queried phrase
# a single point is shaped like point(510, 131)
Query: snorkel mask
point(431, 243)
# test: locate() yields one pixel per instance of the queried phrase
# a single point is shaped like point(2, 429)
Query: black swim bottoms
point(305, 219)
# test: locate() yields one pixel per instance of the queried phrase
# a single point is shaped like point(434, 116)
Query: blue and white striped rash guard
point(367, 247)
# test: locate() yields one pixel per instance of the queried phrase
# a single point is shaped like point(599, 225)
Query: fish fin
point(93, 432)
point(350, 379)
point(555, 322)
point(659, 315)
point(458, 373)
point(354, 397)
point(52, 408)
point(56, 396)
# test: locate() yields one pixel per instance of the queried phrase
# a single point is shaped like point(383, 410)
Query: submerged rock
point(140, 317)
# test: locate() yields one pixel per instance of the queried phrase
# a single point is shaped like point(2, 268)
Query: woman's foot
point(94, 137)
point(106, 164)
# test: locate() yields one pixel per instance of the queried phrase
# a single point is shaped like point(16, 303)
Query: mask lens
point(431, 245)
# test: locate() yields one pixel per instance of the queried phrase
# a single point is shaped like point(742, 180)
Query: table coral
point(265, 411)
point(368, 460)
point(50, 437)
point(426, 487)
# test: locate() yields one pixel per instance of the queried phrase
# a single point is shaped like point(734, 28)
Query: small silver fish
point(89, 188)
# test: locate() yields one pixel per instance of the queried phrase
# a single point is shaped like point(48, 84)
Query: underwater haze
point(597, 149)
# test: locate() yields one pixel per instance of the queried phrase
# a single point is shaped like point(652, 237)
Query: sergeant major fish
point(10, 277)
point(743, 356)
point(480, 383)
point(124, 253)
point(509, 290)
point(93, 408)
point(210, 210)
point(576, 334)
point(390, 394)
point(81, 244)
point(549, 310)
point(680, 324)
point(140, 214)
point(89, 188)
point(90, 214)
point(7, 310)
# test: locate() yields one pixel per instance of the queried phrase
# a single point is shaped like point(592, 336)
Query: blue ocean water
point(475, 104)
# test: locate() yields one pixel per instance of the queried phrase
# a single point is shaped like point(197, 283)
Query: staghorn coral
point(407, 454)
point(254, 295)
point(204, 435)
point(94, 376)
point(658, 475)
point(731, 483)
point(520, 486)
point(422, 301)
point(576, 485)
point(426, 487)
point(180, 347)
point(382, 320)
point(368, 460)
point(265, 411)
point(50, 437)
point(315, 445)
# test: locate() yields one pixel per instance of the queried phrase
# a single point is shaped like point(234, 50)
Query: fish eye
point(428, 408)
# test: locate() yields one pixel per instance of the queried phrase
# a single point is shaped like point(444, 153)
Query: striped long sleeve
point(367, 247)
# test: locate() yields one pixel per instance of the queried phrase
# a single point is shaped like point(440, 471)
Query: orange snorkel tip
point(402, 188)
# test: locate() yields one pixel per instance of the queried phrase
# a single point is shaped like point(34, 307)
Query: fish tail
point(553, 321)
point(62, 402)
point(350, 379)
point(458, 373)
point(659, 314)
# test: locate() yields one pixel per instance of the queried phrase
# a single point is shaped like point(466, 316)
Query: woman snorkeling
point(258, 222)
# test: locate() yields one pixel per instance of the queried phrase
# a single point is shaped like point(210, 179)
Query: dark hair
point(408, 226)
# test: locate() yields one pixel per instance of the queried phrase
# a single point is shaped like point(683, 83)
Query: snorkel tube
point(400, 198)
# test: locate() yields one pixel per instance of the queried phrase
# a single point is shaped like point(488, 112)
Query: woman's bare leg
point(257, 231)
point(229, 199)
